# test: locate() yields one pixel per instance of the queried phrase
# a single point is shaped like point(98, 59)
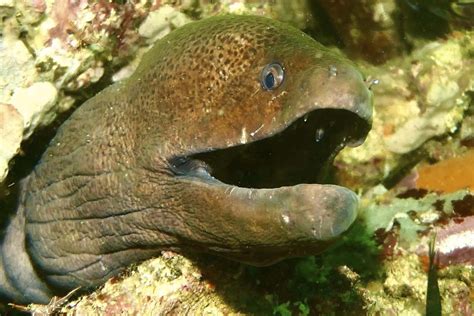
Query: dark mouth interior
point(302, 153)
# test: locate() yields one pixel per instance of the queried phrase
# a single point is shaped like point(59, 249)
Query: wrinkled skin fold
point(129, 174)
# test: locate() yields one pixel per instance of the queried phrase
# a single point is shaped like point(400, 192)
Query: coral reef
point(419, 97)
point(53, 49)
point(414, 172)
point(403, 291)
point(170, 284)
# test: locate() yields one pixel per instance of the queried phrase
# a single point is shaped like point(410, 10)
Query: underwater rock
point(36, 105)
point(368, 29)
point(11, 134)
point(424, 20)
point(403, 291)
point(7, 9)
point(16, 69)
point(7, 3)
point(170, 284)
point(466, 133)
point(161, 22)
point(441, 75)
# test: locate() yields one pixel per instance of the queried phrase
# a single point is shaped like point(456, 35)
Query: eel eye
point(272, 76)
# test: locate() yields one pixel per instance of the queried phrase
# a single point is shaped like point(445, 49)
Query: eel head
point(246, 158)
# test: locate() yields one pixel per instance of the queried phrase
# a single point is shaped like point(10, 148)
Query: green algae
point(381, 215)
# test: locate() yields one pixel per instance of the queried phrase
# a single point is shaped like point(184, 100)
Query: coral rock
point(36, 105)
point(11, 132)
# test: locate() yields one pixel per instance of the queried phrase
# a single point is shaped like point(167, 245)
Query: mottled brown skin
point(104, 194)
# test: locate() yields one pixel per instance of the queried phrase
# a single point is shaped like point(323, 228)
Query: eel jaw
point(263, 197)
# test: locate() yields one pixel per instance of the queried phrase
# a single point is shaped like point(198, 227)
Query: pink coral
point(38, 5)
point(65, 13)
point(82, 22)
point(454, 243)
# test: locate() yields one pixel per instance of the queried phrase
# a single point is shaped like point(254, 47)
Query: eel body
point(214, 144)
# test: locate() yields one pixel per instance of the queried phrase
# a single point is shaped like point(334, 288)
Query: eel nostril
point(370, 82)
point(332, 71)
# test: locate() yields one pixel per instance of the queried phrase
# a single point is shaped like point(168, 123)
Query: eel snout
point(334, 85)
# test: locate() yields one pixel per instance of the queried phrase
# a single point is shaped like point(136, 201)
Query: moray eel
point(215, 144)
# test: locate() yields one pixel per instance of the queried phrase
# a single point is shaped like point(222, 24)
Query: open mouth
point(301, 153)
